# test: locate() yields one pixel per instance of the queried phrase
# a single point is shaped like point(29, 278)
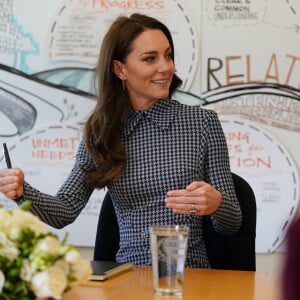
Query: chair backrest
point(236, 252)
point(107, 234)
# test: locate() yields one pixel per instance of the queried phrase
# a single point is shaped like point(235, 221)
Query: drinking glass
point(168, 251)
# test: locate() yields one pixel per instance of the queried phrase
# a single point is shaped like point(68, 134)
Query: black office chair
point(235, 252)
point(107, 234)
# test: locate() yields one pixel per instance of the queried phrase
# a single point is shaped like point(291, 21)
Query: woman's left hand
point(198, 198)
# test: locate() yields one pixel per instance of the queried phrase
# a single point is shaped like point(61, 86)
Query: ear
point(118, 69)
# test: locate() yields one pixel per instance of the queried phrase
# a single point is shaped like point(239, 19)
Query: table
point(207, 284)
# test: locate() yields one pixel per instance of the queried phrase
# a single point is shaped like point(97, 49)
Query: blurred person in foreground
point(291, 265)
point(163, 162)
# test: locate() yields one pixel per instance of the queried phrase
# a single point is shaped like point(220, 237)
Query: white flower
point(13, 233)
point(49, 266)
point(82, 270)
point(26, 271)
point(51, 283)
point(4, 218)
point(2, 279)
point(72, 256)
point(12, 222)
point(7, 248)
point(24, 219)
point(63, 265)
point(48, 244)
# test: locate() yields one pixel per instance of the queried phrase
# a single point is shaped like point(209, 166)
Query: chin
point(163, 95)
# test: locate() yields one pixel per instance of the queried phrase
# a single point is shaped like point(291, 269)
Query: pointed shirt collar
point(162, 113)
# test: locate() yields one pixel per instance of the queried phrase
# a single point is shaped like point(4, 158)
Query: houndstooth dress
point(168, 146)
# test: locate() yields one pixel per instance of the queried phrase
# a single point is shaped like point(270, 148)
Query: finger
point(176, 193)
point(9, 174)
point(182, 212)
point(9, 180)
point(187, 210)
point(195, 185)
point(177, 199)
point(192, 192)
point(4, 172)
point(182, 208)
point(12, 194)
point(9, 190)
point(179, 206)
point(15, 172)
point(186, 206)
point(200, 199)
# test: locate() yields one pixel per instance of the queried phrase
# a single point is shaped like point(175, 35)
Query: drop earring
point(123, 85)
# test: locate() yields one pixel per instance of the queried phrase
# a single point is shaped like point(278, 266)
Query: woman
point(162, 161)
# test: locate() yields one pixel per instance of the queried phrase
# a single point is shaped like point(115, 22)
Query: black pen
point(6, 155)
point(9, 166)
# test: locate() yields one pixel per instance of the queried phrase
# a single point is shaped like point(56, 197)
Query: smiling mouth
point(162, 81)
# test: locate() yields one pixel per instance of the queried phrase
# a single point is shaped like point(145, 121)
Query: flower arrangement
point(34, 264)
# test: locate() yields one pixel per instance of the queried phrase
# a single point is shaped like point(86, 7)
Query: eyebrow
point(155, 52)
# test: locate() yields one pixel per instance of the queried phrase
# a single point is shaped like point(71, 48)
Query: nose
point(165, 64)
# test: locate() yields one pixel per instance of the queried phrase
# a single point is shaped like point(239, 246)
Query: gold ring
point(193, 210)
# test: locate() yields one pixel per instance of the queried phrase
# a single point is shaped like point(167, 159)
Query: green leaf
point(13, 273)
point(25, 205)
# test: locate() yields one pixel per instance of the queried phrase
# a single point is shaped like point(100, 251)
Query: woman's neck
point(143, 106)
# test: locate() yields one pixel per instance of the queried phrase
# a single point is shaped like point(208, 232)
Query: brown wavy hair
point(102, 130)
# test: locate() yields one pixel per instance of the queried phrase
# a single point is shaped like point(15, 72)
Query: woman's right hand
point(11, 182)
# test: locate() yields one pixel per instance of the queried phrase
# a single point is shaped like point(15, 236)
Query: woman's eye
point(149, 58)
point(169, 56)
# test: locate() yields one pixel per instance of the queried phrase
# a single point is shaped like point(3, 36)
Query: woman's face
point(148, 69)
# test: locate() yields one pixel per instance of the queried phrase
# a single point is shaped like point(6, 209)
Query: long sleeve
point(63, 208)
point(227, 218)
